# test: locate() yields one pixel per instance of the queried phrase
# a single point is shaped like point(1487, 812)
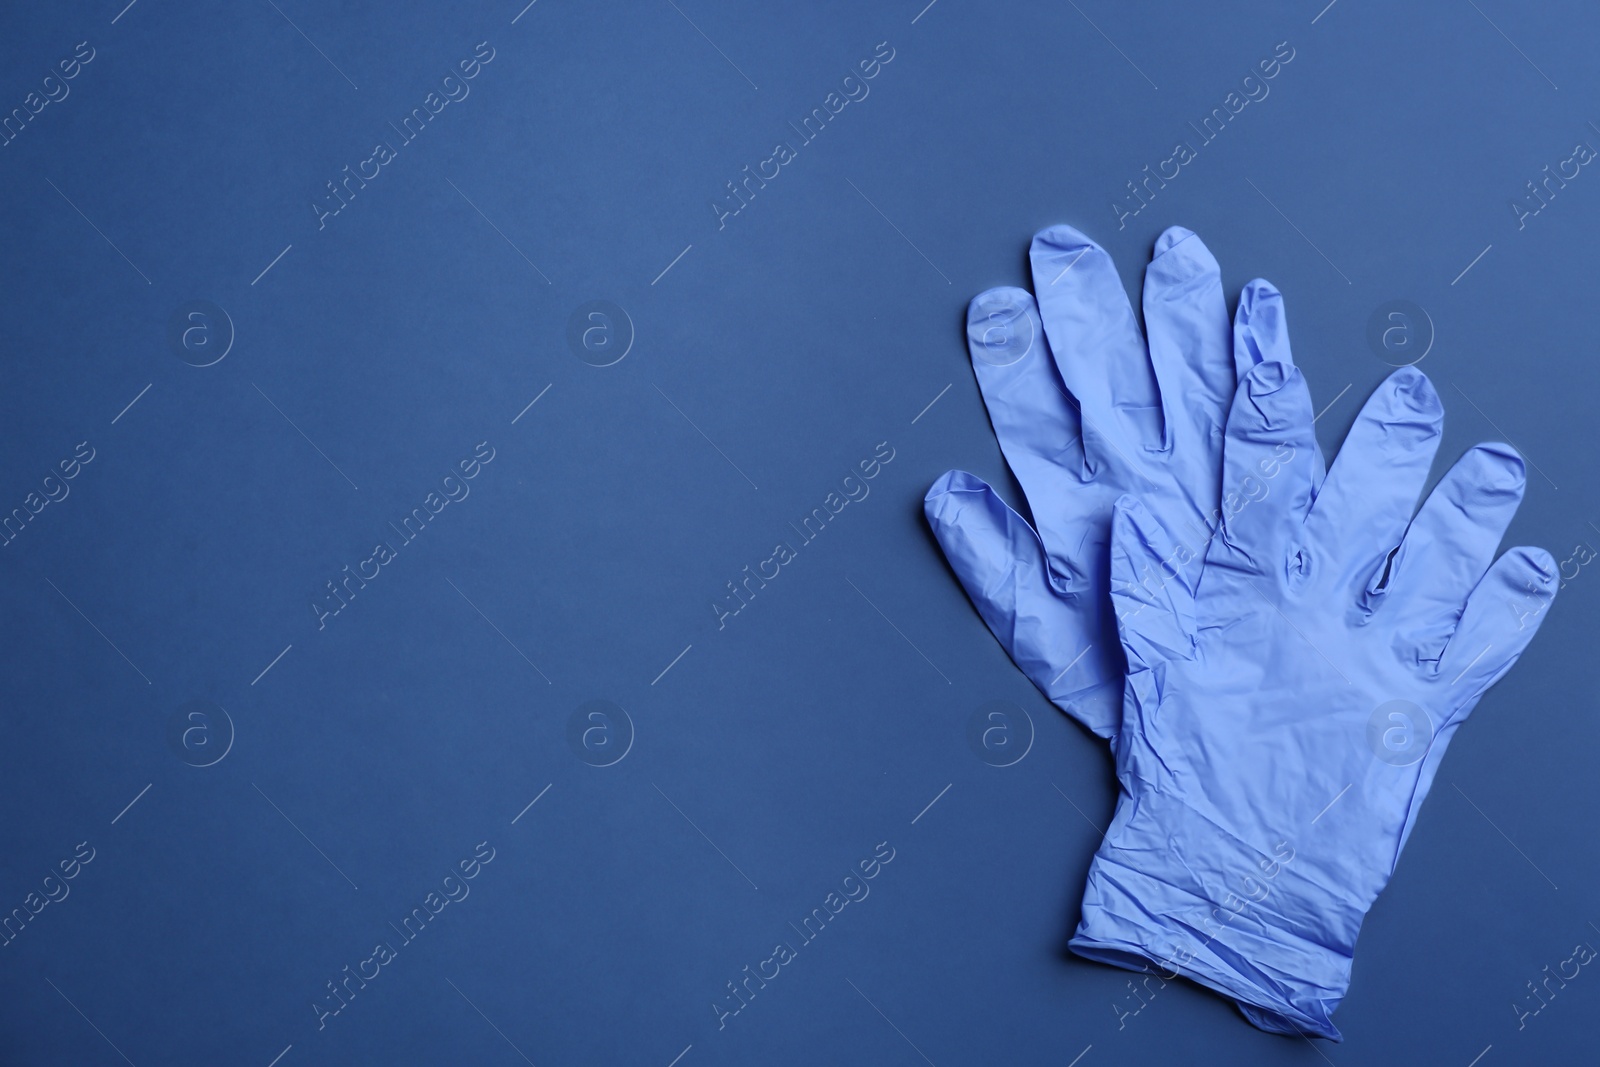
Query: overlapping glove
point(1086, 411)
point(1288, 705)
point(1298, 648)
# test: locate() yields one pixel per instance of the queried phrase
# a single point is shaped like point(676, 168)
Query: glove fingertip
point(1272, 398)
point(1498, 467)
point(1539, 569)
point(1171, 237)
point(1181, 256)
point(951, 481)
point(1062, 238)
point(1260, 327)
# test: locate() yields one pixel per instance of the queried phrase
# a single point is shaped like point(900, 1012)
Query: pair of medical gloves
point(1278, 652)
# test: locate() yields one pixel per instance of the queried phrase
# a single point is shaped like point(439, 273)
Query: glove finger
point(1363, 508)
point(1055, 639)
point(1260, 328)
point(1187, 320)
point(1034, 420)
point(1097, 346)
point(1449, 546)
point(1498, 621)
point(1268, 470)
point(1261, 335)
point(1501, 617)
point(1152, 587)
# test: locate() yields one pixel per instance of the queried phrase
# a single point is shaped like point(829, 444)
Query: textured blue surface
point(584, 563)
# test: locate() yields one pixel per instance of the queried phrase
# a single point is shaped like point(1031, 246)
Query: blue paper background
point(775, 354)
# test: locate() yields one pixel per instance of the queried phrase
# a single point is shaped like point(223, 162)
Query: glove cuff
point(1284, 980)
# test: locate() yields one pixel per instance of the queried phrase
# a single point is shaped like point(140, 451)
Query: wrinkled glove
point(1085, 411)
point(1288, 703)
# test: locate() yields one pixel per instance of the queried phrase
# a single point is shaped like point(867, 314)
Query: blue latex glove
point(1287, 712)
point(1085, 411)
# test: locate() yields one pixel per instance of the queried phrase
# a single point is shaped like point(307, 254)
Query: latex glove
point(1288, 705)
point(1085, 411)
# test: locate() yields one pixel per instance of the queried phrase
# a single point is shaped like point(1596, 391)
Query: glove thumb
point(1049, 632)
